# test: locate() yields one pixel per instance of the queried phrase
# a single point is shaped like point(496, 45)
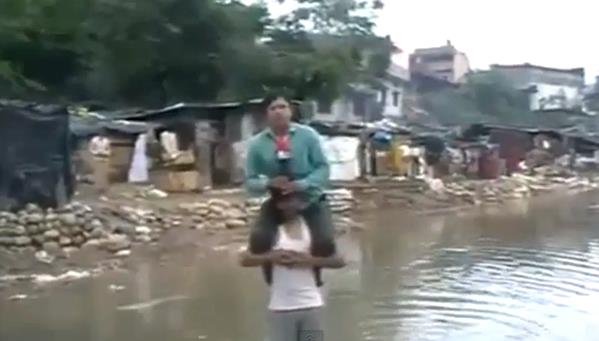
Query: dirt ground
point(131, 194)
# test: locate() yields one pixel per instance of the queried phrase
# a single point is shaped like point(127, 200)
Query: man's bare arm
point(307, 260)
point(248, 259)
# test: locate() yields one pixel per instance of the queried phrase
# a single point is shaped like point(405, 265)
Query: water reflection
point(521, 272)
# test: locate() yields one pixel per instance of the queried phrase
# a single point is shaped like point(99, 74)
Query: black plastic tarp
point(35, 162)
point(434, 146)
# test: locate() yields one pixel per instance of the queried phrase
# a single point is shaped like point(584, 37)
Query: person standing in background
point(99, 147)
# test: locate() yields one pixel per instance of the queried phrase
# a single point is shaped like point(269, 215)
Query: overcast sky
point(554, 33)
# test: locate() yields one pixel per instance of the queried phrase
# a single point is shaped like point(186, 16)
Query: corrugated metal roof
point(88, 125)
point(195, 106)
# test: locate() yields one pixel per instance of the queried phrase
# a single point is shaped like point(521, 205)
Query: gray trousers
point(296, 325)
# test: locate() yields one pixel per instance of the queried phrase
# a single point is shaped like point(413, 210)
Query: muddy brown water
point(522, 272)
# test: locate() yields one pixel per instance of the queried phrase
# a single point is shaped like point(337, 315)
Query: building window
point(384, 96)
point(438, 58)
point(395, 98)
point(325, 106)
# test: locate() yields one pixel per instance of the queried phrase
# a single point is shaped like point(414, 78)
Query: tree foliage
point(140, 52)
point(485, 97)
point(332, 17)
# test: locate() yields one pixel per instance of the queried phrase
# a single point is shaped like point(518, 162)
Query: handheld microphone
point(283, 154)
point(282, 147)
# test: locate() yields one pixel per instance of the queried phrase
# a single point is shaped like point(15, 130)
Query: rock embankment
point(115, 228)
point(220, 214)
point(432, 194)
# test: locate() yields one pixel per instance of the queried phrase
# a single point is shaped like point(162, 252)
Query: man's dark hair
point(273, 96)
point(278, 197)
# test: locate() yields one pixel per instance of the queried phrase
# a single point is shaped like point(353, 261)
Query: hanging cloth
point(138, 172)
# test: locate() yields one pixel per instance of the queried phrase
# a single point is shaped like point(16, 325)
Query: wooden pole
point(362, 156)
point(203, 150)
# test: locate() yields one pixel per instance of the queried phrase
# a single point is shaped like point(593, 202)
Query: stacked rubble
point(65, 229)
point(220, 214)
point(215, 214)
point(114, 228)
point(436, 194)
point(341, 202)
point(515, 187)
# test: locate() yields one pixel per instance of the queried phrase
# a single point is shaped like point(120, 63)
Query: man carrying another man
point(287, 158)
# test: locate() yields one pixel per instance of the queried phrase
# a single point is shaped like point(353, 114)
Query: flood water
point(514, 273)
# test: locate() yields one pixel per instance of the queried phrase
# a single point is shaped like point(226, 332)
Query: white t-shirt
point(294, 288)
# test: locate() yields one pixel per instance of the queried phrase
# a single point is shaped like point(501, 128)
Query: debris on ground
point(43, 257)
point(114, 287)
point(70, 275)
point(422, 194)
point(18, 297)
point(151, 303)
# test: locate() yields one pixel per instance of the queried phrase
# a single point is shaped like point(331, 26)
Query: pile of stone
point(432, 194)
point(142, 224)
point(77, 225)
point(341, 201)
point(477, 192)
point(515, 187)
point(216, 214)
point(114, 228)
point(53, 230)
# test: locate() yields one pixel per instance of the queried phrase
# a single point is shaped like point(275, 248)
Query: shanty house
point(36, 158)
point(210, 132)
point(122, 135)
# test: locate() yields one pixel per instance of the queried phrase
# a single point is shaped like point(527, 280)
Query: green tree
point(150, 53)
point(324, 45)
point(485, 97)
point(40, 45)
point(171, 50)
point(493, 95)
point(332, 17)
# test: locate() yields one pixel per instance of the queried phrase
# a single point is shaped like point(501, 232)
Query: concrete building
point(591, 99)
point(549, 88)
point(392, 89)
point(357, 104)
point(367, 103)
point(444, 63)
